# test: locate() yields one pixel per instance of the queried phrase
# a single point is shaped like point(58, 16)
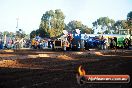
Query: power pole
point(17, 22)
point(17, 19)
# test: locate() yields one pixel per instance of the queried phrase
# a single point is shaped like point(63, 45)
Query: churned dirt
point(28, 68)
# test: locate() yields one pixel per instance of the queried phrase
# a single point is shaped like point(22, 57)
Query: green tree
point(11, 34)
point(40, 32)
point(129, 16)
point(129, 20)
point(6, 33)
point(72, 25)
point(33, 34)
point(105, 23)
point(52, 22)
point(85, 29)
point(120, 24)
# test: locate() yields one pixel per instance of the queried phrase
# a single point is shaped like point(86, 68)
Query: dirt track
point(49, 69)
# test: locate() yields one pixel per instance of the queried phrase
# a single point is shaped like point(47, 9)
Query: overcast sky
point(30, 12)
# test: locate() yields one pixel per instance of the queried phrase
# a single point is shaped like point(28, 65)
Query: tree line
point(52, 25)
point(19, 34)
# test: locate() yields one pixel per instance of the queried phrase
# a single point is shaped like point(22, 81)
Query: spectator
point(126, 43)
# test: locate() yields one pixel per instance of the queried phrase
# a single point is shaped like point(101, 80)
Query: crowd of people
point(46, 43)
point(39, 43)
point(14, 44)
